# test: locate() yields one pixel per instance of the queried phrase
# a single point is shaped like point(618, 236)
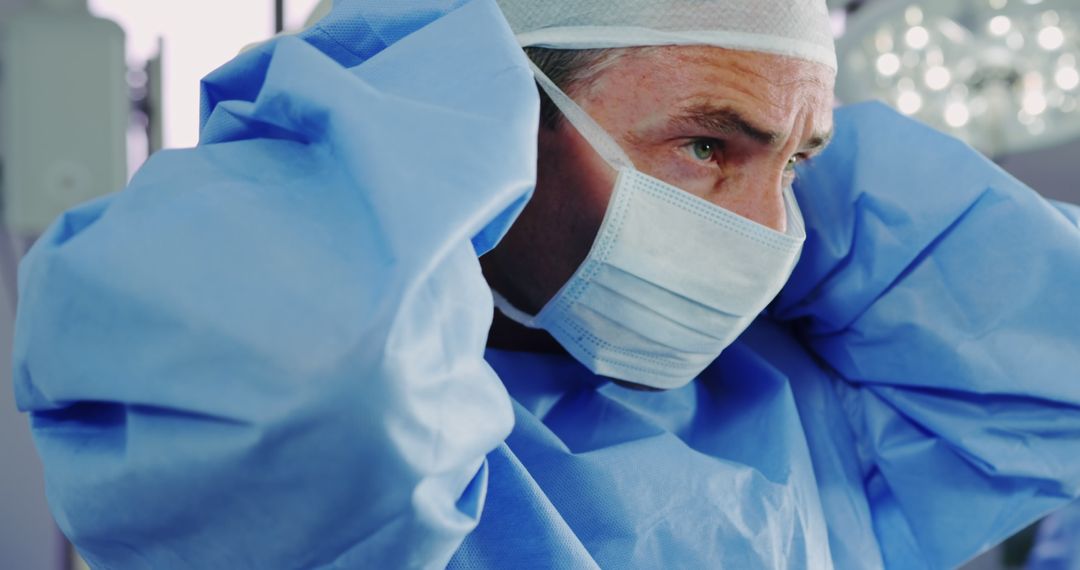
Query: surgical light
point(1015, 41)
point(1000, 74)
point(1067, 78)
point(917, 37)
point(957, 114)
point(1034, 103)
point(1051, 38)
point(937, 77)
point(909, 102)
point(888, 64)
point(1000, 25)
point(913, 15)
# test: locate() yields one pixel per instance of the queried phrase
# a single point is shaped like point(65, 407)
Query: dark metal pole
point(279, 16)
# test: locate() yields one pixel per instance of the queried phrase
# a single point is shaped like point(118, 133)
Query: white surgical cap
point(795, 28)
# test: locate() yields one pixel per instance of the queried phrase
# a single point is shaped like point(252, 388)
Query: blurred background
point(90, 88)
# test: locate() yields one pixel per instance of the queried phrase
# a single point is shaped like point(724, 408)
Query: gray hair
point(571, 70)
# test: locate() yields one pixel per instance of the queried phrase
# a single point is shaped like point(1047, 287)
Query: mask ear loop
point(513, 313)
point(600, 140)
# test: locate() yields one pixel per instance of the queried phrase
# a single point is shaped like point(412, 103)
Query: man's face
point(727, 126)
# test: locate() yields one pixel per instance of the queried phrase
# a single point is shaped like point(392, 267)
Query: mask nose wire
point(600, 140)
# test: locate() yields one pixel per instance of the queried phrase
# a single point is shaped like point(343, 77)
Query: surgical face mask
point(671, 279)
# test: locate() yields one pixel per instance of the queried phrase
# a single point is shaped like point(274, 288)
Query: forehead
point(777, 91)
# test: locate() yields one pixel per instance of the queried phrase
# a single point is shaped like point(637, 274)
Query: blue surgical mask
point(671, 279)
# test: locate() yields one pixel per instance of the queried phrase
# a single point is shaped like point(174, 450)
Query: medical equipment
point(65, 112)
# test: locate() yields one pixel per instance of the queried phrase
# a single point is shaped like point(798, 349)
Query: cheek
point(584, 193)
point(573, 191)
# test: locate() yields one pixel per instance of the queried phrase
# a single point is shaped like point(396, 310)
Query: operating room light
point(937, 77)
point(1015, 41)
point(917, 37)
point(1000, 74)
point(1067, 78)
point(1000, 25)
point(957, 114)
point(913, 15)
point(1051, 38)
point(888, 64)
point(1034, 104)
point(909, 102)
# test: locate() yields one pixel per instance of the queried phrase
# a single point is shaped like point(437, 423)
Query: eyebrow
point(728, 122)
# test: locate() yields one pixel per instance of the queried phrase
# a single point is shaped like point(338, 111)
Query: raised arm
point(941, 295)
point(268, 351)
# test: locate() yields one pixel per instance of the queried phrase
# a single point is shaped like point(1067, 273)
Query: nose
point(760, 198)
point(771, 210)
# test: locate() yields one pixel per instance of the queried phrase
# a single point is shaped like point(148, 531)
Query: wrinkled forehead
point(762, 96)
point(794, 28)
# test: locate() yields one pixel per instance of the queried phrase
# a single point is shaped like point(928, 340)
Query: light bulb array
point(991, 71)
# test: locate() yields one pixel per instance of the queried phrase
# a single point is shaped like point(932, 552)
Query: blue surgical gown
point(269, 350)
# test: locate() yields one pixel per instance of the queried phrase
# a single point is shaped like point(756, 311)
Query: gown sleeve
point(941, 295)
point(267, 352)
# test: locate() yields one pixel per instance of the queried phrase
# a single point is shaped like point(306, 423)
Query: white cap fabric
point(795, 28)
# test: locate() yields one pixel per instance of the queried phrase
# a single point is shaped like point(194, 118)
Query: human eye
point(794, 161)
point(704, 150)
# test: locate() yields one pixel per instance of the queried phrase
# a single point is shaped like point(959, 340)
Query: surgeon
point(717, 343)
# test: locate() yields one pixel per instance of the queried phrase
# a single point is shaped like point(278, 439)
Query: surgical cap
point(795, 28)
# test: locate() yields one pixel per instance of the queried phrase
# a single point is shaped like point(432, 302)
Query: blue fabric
point(269, 350)
point(944, 303)
point(913, 390)
point(293, 305)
